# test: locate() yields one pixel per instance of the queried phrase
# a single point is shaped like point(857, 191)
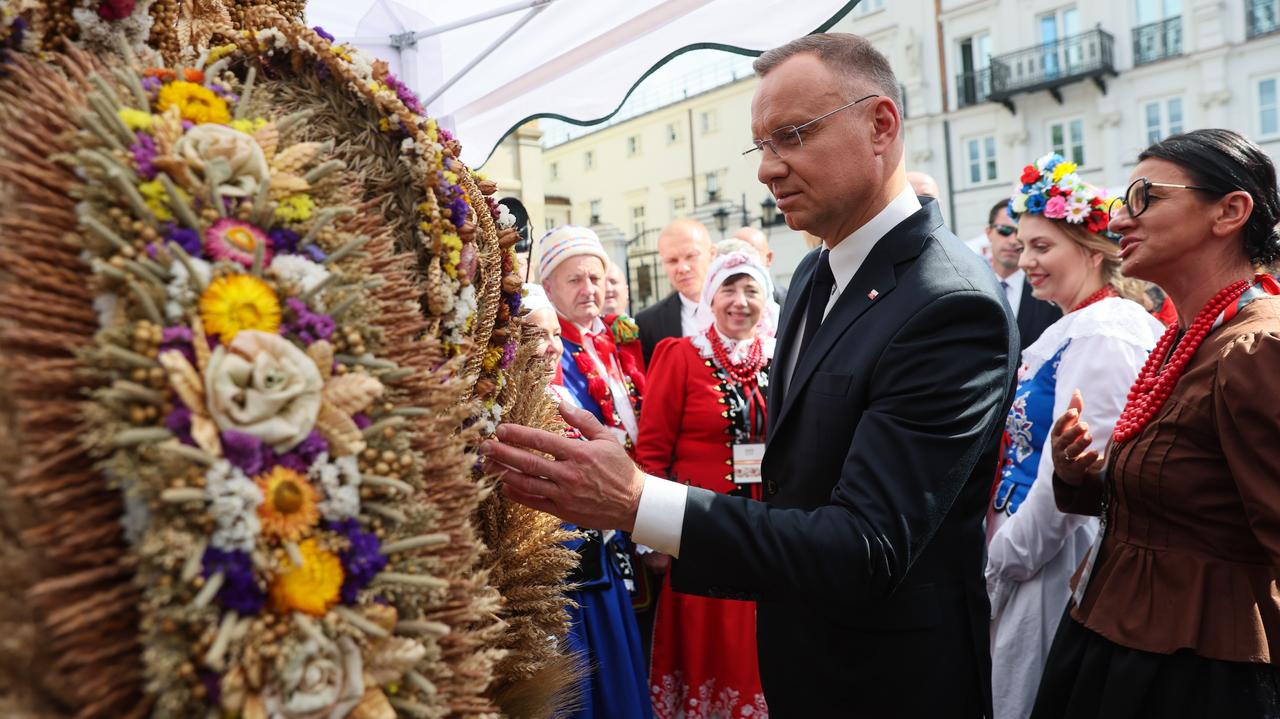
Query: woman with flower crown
point(704, 425)
point(1095, 349)
point(1175, 612)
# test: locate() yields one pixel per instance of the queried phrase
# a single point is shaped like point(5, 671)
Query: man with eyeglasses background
point(1034, 316)
point(892, 377)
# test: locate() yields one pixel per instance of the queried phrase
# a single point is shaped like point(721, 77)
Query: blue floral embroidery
point(1028, 423)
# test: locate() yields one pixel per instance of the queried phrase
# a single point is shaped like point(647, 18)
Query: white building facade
point(988, 86)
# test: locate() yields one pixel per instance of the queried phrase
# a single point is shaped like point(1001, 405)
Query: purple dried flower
point(458, 212)
point(315, 253)
point(186, 238)
point(361, 561)
point(178, 338)
point(178, 421)
point(240, 592)
point(508, 354)
point(284, 240)
point(300, 458)
point(212, 683)
point(246, 452)
point(308, 326)
point(403, 92)
point(362, 420)
point(321, 32)
point(144, 151)
point(152, 84)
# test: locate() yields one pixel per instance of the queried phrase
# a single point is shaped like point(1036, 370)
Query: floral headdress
point(1052, 188)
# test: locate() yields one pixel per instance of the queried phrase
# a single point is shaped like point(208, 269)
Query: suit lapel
point(878, 272)
point(1026, 311)
point(671, 316)
point(788, 325)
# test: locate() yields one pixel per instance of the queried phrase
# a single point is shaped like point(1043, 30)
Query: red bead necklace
point(745, 372)
point(1155, 383)
point(1102, 294)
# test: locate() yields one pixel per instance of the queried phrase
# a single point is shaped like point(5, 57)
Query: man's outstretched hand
point(593, 484)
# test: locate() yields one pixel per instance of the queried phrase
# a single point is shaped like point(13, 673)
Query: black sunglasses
point(1004, 230)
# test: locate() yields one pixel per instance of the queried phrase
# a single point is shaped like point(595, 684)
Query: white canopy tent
point(485, 67)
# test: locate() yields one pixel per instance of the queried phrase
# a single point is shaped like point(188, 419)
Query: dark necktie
point(820, 287)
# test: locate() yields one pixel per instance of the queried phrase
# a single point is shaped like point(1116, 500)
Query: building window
point(637, 220)
point(975, 78)
point(709, 121)
point(713, 186)
point(982, 159)
point(1268, 110)
point(633, 146)
point(589, 160)
point(1067, 139)
point(595, 212)
point(866, 7)
point(678, 204)
point(673, 133)
point(555, 171)
point(1163, 118)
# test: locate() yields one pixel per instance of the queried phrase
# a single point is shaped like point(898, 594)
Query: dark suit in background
point(1034, 316)
point(658, 322)
point(866, 558)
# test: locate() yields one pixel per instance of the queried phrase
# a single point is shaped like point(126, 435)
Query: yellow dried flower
point(135, 119)
point(312, 588)
point(288, 510)
point(238, 302)
point(295, 208)
point(157, 199)
point(196, 103)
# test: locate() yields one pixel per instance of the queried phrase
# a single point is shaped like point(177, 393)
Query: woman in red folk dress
point(704, 407)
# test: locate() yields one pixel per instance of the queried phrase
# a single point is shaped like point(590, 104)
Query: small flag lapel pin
point(872, 295)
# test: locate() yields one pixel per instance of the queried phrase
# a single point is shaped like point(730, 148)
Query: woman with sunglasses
point(1176, 611)
point(1097, 347)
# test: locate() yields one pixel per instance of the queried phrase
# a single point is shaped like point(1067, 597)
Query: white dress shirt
point(621, 398)
point(1013, 289)
point(660, 516)
point(690, 316)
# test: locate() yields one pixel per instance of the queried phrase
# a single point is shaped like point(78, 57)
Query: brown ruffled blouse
point(1191, 556)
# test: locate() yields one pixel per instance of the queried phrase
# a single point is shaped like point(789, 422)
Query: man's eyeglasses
point(1138, 197)
point(789, 138)
point(1004, 230)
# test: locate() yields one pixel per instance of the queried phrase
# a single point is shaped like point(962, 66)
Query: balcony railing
point(1262, 17)
point(1089, 55)
point(1157, 41)
point(973, 88)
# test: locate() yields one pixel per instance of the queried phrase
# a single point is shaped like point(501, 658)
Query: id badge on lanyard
point(746, 463)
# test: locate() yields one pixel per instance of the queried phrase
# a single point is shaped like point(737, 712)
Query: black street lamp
point(722, 219)
point(768, 211)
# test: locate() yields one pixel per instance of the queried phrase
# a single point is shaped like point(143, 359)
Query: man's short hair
point(849, 55)
point(995, 210)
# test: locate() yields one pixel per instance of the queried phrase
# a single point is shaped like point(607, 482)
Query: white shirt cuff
point(660, 516)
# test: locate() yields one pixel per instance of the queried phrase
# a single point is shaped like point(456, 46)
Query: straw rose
point(263, 385)
point(208, 143)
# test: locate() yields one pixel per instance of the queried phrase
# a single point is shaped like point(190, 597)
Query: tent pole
point(540, 6)
point(496, 12)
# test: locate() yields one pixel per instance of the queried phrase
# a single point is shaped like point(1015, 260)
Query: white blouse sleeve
point(1103, 369)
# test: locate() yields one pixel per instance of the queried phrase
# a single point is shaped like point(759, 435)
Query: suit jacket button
point(771, 487)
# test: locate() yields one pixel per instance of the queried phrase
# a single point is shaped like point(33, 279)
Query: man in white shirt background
point(893, 375)
point(1034, 316)
point(686, 251)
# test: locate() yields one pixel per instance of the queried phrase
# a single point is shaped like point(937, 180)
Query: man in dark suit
point(894, 370)
point(686, 251)
point(1034, 316)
